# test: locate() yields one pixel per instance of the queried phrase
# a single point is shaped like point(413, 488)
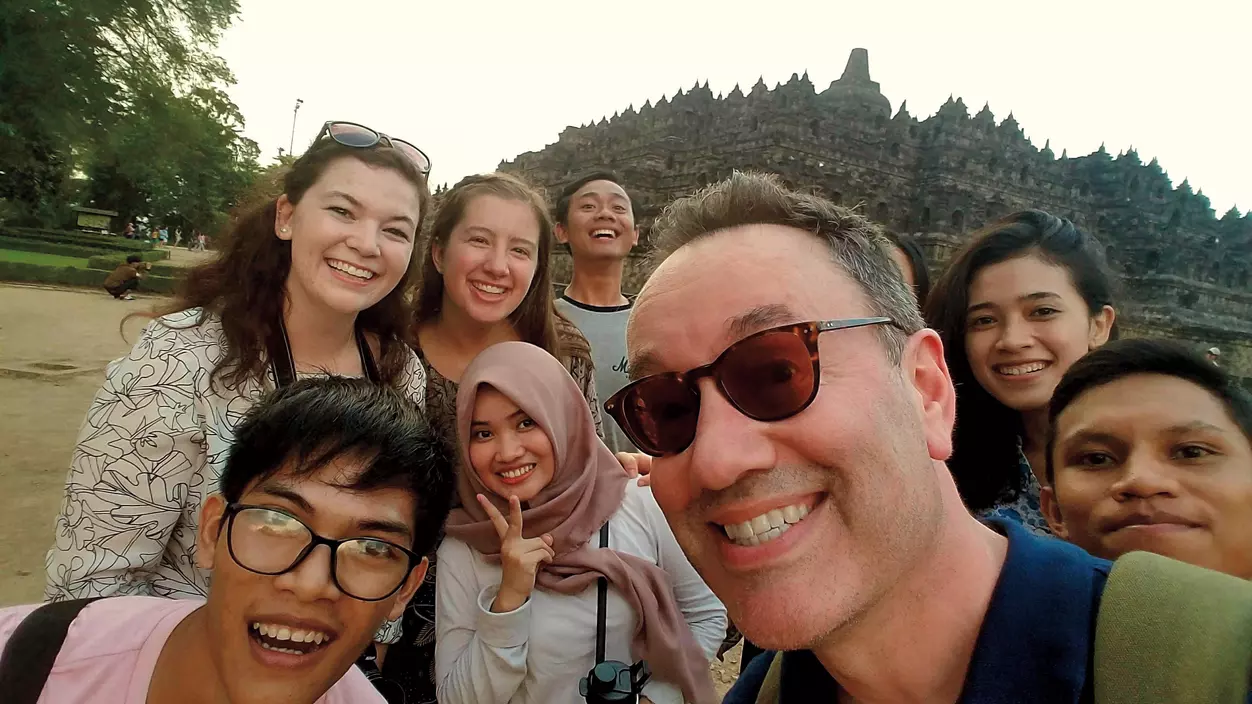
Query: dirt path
point(54, 345)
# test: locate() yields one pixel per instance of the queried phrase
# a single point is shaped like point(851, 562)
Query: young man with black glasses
point(799, 415)
point(334, 490)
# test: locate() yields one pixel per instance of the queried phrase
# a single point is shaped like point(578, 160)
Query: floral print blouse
point(1025, 509)
point(152, 447)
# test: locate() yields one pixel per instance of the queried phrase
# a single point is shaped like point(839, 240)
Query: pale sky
point(473, 83)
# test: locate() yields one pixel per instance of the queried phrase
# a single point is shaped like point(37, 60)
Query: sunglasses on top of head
point(771, 375)
point(350, 134)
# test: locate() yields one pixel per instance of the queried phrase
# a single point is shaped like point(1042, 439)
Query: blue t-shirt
point(1036, 643)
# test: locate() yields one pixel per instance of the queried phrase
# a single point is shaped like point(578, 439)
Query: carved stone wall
point(1186, 272)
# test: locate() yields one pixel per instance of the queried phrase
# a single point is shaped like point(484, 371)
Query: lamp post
point(294, 114)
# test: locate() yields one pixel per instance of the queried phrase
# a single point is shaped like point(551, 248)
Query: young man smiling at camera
point(596, 218)
point(334, 490)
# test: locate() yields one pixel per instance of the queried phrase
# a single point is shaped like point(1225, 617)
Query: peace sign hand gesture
point(520, 558)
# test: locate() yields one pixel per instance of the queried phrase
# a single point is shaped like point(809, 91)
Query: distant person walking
point(125, 278)
point(1214, 355)
point(178, 236)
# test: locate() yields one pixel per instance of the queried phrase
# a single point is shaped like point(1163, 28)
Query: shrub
point(44, 247)
point(81, 239)
point(109, 262)
point(71, 276)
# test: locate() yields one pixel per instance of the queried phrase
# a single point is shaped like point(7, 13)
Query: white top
point(152, 447)
point(538, 652)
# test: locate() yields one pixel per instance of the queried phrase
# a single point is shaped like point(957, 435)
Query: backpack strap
point(32, 649)
point(1172, 632)
point(771, 687)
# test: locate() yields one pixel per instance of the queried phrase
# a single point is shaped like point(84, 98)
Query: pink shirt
point(112, 649)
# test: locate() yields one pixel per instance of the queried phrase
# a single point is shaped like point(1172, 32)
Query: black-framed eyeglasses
point(768, 376)
point(272, 542)
point(350, 134)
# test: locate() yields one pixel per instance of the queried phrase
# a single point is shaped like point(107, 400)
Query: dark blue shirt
point(1036, 643)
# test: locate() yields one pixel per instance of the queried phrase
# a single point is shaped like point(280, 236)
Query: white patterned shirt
point(152, 447)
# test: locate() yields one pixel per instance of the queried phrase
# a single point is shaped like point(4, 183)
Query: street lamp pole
point(294, 114)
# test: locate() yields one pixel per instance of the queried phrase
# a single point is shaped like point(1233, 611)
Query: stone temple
point(1184, 272)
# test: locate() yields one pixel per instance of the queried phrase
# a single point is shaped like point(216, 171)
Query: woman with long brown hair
point(1023, 300)
point(311, 282)
point(486, 278)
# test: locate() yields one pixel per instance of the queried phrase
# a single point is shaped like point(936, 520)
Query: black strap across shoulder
point(602, 599)
point(32, 650)
point(284, 365)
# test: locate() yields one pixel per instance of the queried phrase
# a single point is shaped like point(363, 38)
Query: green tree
point(178, 158)
point(70, 69)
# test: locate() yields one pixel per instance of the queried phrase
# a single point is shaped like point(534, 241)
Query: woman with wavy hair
point(311, 282)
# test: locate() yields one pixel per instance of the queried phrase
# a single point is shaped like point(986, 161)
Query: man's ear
point(562, 235)
point(406, 592)
point(634, 236)
point(926, 371)
point(212, 517)
point(1052, 512)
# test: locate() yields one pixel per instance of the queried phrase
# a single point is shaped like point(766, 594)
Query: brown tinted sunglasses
point(768, 376)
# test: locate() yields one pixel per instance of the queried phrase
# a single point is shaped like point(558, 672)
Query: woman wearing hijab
point(517, 599)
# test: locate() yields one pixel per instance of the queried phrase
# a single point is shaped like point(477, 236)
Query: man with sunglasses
point(334, 490)
point(799, 414)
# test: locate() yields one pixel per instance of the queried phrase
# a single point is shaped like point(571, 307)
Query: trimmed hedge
point(73, 276)
point(80, 239)
point(72, 250)
point(109, 262)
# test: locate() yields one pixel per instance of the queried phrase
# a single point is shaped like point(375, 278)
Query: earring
point(284, 229)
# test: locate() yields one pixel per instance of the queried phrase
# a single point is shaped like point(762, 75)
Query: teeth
point(294, 635)
point(288, 651)
point(767, 526)
point(347, 268)
point(488, 288)
point(610, 233)
point(519, 472)
point(760, 524)
point(1022, 368)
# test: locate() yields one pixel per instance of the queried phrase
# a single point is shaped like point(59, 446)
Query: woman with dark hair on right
point(486, 278)
point(1022, 301)
point(909, 258)
point(311, 282)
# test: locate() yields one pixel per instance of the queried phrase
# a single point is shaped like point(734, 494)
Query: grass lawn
point(13, 255)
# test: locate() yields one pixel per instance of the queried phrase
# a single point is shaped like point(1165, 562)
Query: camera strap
point(602, 599)
point(284, 366)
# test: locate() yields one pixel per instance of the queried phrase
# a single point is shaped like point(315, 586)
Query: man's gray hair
point(857, 245)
